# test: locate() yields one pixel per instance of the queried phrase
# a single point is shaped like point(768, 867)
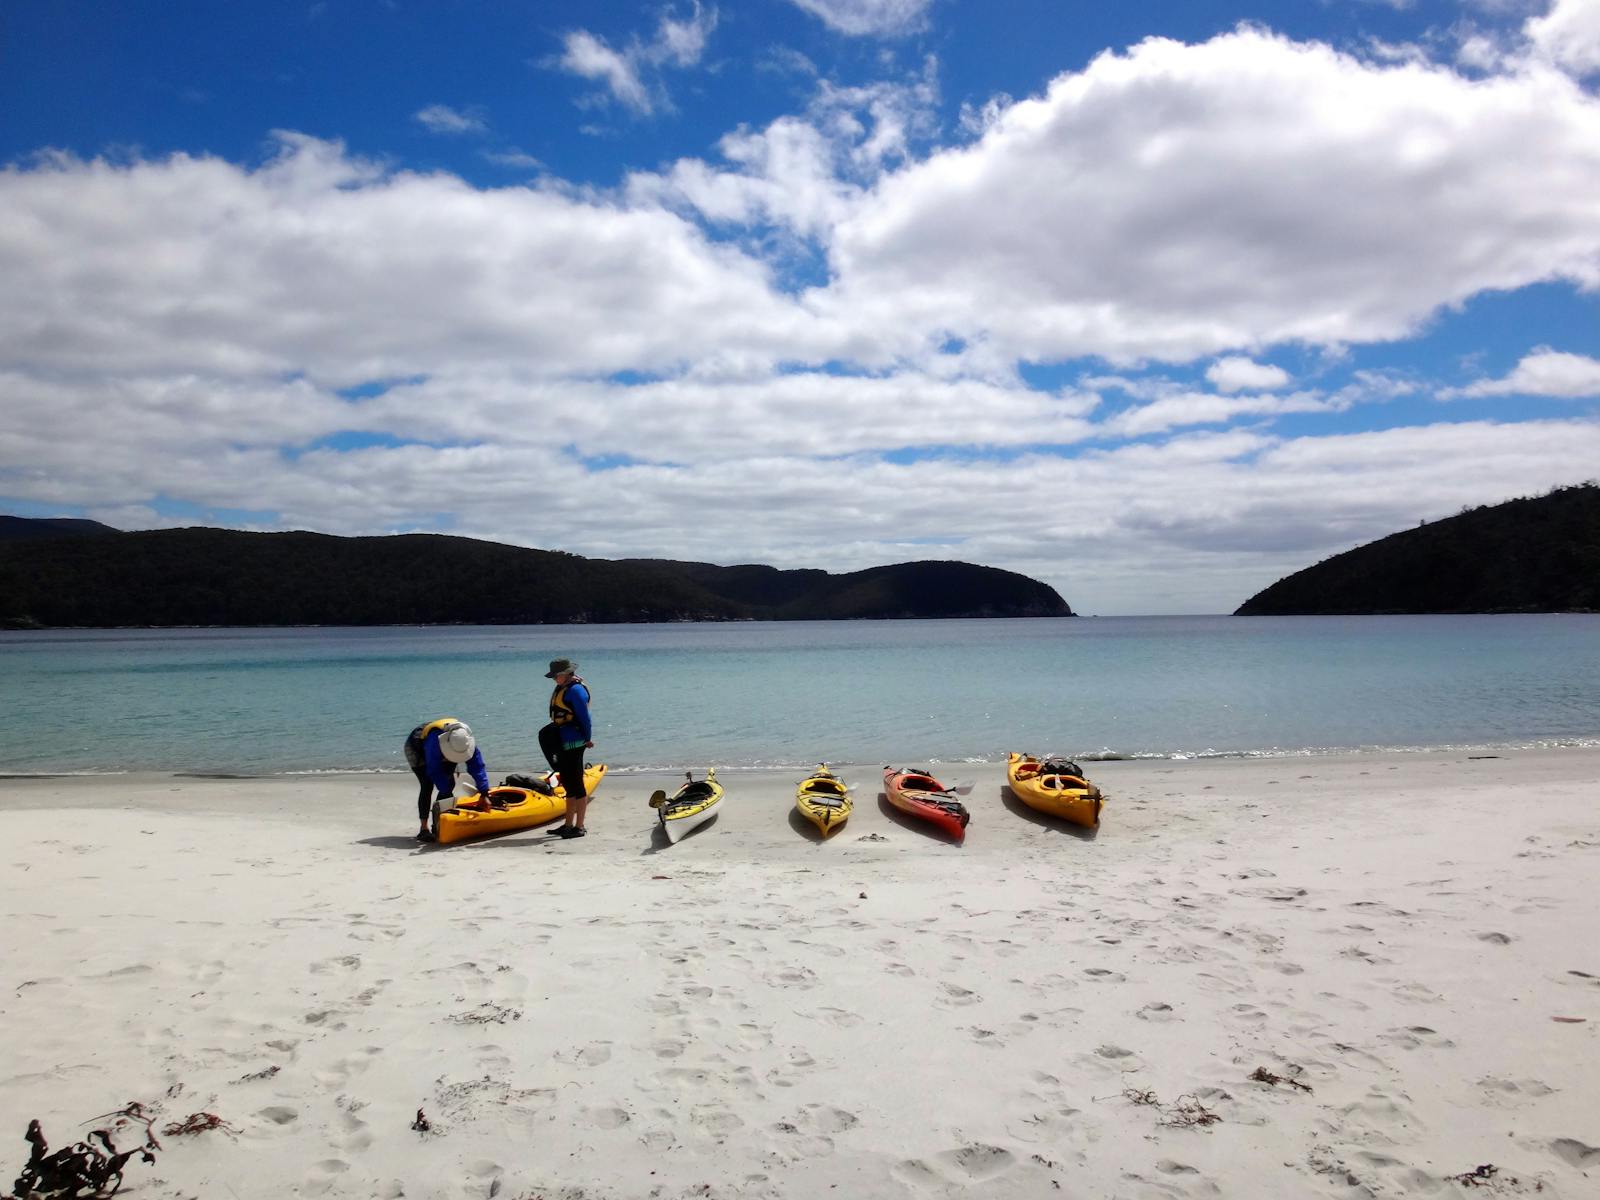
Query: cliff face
point(1540, 554)
point(230, 577)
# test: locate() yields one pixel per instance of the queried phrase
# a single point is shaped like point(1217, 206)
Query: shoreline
point(953, 767)
point(756, 1012)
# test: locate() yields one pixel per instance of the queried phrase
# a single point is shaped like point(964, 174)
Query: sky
point(1156, 302)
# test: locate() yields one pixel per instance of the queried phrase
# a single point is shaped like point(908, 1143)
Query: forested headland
point(1535, 554)
point(75, 573)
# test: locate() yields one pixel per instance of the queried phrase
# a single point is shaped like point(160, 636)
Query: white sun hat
point(456, 742)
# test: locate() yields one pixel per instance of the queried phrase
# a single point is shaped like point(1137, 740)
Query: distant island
point(1536, 554)
point(76, 573)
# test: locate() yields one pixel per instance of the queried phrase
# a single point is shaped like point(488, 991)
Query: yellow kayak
point(691, 806)
point(823, 799)
point(1055, 786)
point(506, 809)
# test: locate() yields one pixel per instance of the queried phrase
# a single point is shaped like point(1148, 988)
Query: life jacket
point(560, 711)
point(436, 726)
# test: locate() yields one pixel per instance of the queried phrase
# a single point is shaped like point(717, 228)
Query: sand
point(1413, 938)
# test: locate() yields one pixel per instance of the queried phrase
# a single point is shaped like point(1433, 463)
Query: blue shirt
point(443, 772)
point(578, 730)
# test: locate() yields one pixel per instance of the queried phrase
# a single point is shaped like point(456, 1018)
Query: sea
point(786, 694)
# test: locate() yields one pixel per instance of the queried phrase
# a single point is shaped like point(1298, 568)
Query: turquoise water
point(275, 700)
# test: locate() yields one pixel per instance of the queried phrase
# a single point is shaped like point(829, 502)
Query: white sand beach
point(1414, 938)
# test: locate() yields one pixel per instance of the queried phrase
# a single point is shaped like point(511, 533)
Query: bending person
point(435, 752)
point(564, 740)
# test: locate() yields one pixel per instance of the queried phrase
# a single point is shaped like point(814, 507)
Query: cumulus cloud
point(628, 73)
point(323, 264)
point(441, 118)
point(1568, 35)
point(862, 18)
point(1183, 200)
point(804, 174)
point(635, 373)
point(1236, 374)
point(1544, 372)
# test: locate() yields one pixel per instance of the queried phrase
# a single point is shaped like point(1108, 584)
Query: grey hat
point(560, 666)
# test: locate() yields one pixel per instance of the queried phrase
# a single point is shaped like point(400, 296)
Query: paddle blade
point(657, 798)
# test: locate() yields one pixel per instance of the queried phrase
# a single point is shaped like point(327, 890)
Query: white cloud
point(1568, 35)
point(321, 264)
point(1202, 408)
point(1235, 374)
point(441, 118)
point(1544, 372)
point(804, 174)
point(589, 56)
point(628, 73)
point(860, 18)
point(1178, 201)
point(514, 159)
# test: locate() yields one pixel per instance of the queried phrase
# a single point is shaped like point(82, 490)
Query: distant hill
point(34, 529)
point(1537, 554)
point(199, 576)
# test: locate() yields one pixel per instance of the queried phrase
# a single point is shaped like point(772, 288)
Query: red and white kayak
point(920, 795)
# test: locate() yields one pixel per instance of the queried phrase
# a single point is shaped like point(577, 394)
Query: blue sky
point(1156, 302)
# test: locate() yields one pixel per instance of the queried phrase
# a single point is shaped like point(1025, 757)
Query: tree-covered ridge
point(230, 577)
point(1534, 554)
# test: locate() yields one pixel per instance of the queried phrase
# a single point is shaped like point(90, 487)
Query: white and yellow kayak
point(688, 808)
point(506, 809)
point(823, 799)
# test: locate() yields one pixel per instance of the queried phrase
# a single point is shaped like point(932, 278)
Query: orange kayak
point(919, 794)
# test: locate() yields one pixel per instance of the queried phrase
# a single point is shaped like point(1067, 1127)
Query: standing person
point(435, 752)
point(564, 740)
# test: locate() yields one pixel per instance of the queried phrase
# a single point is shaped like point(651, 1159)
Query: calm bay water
point(275, 700)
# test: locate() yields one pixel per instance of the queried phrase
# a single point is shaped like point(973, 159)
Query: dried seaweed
point(1187, 1112)
point(1139, 1097)
point(86, 1170)
point(1262, 1075)
point(264, 1073)
point(487, 1013)
point(200, 1122)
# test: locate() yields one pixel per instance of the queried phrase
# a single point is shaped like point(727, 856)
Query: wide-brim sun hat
point(456, 742)
point(560, 666)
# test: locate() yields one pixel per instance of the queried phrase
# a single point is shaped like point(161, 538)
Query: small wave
point(347, 771)
point(84, 774)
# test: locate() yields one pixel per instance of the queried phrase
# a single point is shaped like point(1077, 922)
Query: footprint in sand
point(793, 977)
point(608, 1117)
point(594, 1054)
point(356, 1136)
point(279, 1115)
point(977, 1163)
point(1414, 1037)
point(324, 1175)
point(1575, 1153)
point(342, 962)
point(954, 996)
point(1113, 1052)
point(718, 1122)
point(1156, 1012)
point(1102, 975)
